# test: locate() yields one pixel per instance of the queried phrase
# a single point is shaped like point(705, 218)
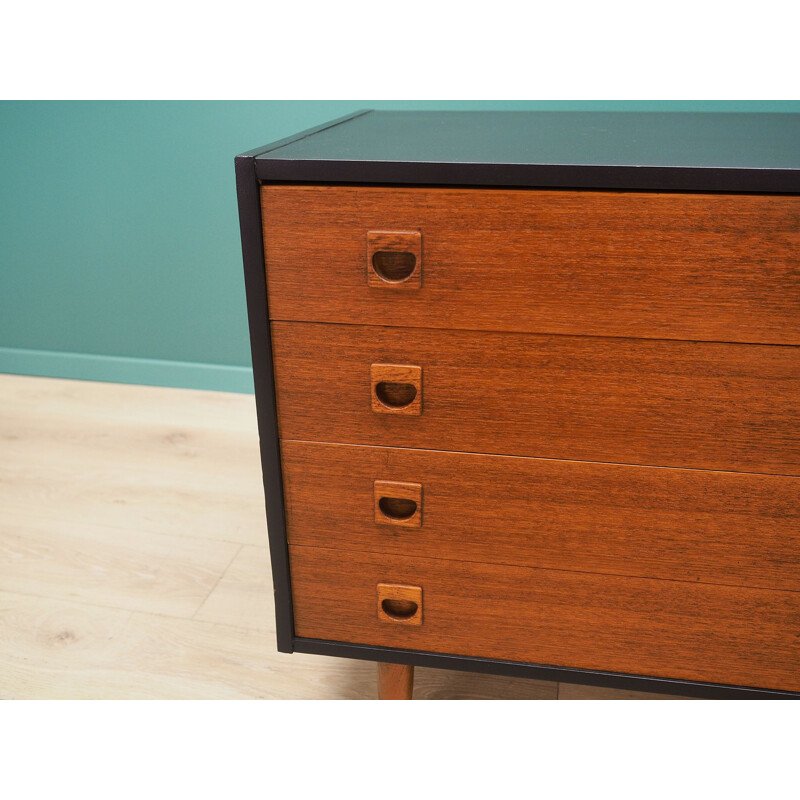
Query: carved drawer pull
point(399, 603)
point(394, 259)
point(396, 389)
point(398, 503)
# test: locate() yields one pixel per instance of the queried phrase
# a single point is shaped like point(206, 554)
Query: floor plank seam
point(151, 531)
point(57, 598)
point(218, 581)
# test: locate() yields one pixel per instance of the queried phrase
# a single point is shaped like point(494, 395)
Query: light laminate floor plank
point(110, 567)
point(42, 398)
point(114, 499)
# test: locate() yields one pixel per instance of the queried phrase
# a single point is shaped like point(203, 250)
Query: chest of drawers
point(528, 390)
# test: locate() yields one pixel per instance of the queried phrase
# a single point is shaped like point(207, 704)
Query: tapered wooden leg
point(395, 681)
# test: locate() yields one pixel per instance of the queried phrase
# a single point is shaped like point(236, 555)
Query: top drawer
point(672, 266)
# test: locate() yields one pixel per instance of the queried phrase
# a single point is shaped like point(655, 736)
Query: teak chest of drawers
point(528, 390)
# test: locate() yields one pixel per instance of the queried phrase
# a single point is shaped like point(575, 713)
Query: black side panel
point(247, 188)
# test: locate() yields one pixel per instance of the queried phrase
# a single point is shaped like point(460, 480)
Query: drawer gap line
point(538, 333)
point(543, 458)
point(546, 569)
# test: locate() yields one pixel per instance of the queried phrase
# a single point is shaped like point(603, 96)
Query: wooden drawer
point(694, 631)
point(681, 404)
point(676, 266)
point(716, 527)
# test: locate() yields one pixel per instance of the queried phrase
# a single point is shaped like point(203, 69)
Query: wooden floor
point(134, 562)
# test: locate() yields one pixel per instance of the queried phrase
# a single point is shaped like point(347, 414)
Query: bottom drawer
point(670, 629)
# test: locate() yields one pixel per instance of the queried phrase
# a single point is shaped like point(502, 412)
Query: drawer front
point(690, 631)
point(681, 404)
point(716, 527)
point(675, 266)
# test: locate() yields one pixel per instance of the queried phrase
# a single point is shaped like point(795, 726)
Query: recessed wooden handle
point(399, 609)
point(398, 503)
point(397, 509)
point(399, 603)
point(396, 389)
point(394, 259)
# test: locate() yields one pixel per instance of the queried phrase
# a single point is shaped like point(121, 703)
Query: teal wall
point(119, 231)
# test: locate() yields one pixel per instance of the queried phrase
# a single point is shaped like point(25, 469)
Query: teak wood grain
point(691, 525)
point(716, 267)
point(682, 404)
point(693, 631)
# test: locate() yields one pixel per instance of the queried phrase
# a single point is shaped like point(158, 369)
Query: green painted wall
point(119, 231)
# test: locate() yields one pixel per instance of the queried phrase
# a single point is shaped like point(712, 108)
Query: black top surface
point(577, 149)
